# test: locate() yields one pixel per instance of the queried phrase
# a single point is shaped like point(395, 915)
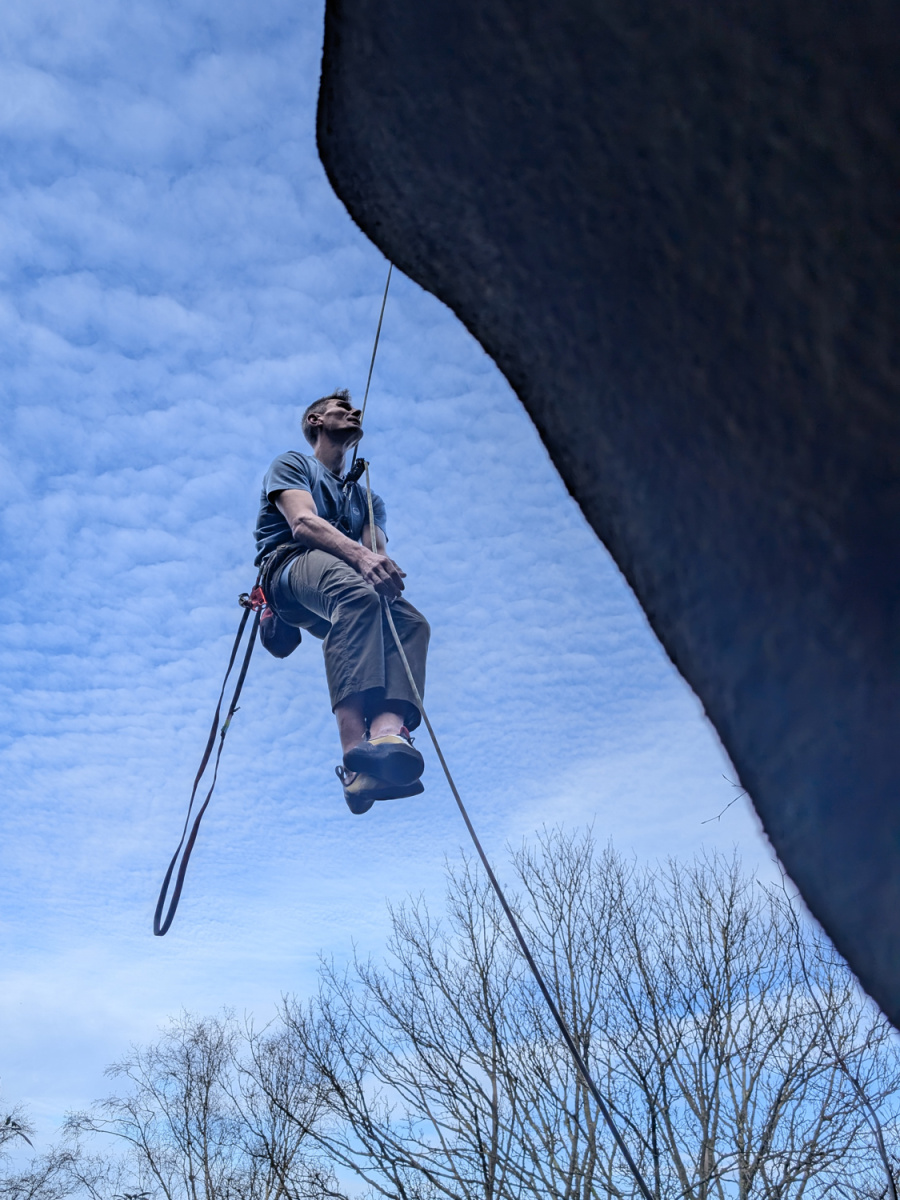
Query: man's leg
point(353, 723)
point(351, 720)
point(321, 593)
point(388, 722)
point(392, 711)
point(414, 633)
point(318, 588)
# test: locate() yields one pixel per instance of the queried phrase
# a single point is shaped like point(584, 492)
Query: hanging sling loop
point(254, 603)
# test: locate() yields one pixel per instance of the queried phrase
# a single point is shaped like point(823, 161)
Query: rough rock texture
point(674, 226)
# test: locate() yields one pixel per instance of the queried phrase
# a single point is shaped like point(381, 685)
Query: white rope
point(362, 415)
point(495, 884)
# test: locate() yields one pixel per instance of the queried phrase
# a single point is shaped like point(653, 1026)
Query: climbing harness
point(256, 602)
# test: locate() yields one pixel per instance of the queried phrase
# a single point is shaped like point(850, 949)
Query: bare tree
point(732, 1044)
point(855, 1060)
point(731, 1051)
point(14, 1127)
point(46, 1175)
point(721, 1054)
point(422, 1092)
point(193, 1124)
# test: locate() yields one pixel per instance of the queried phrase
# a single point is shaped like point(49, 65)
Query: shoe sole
point(395, 764)
point(403, 793)
point(359, 805)
point(362, 803)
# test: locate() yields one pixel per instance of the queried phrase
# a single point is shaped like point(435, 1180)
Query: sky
point(178, 282)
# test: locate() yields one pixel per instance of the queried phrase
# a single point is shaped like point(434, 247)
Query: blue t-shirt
point(347, 511)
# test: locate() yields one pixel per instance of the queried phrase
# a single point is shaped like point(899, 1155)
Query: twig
point(840, 1058)
point(742, 792)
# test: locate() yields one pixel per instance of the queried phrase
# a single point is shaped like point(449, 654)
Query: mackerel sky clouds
point(178, 281)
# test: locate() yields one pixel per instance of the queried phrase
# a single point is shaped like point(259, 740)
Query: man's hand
point(309, 529)
point(381, 572)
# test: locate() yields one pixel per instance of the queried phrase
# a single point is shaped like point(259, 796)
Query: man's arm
point(309, 529)
point(380, 539)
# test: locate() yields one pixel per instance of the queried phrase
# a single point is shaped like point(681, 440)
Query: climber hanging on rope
point(313, 534)
point(318, 574)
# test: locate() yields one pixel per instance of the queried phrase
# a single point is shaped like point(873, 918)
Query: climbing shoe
point(391, 757)
point(361, 790)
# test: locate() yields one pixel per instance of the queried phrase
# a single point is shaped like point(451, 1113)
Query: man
point(314, 541)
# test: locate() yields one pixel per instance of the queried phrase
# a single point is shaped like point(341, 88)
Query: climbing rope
point(577, 1057)
point(362, 415)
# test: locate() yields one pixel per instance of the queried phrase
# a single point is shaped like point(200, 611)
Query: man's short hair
point(309, 431)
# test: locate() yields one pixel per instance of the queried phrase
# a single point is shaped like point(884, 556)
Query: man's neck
point(330, 454)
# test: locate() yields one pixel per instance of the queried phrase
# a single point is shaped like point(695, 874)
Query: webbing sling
point(253, 604)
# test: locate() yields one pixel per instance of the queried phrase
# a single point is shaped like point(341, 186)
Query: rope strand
point(580, 1064)
point(362, 416)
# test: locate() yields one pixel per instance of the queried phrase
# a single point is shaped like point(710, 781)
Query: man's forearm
point(317, 534)
point(310, 530)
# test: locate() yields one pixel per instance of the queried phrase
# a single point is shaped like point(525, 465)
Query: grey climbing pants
point(323, 595)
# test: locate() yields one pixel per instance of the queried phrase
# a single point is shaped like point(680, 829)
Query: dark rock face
point(674, 226)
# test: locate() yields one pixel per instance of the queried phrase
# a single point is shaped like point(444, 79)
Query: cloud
point(178, 278)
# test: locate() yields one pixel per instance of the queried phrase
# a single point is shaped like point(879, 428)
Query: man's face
point(341, 421)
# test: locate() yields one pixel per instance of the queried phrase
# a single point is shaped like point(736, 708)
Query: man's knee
point(358, 601)
point(415, 624)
